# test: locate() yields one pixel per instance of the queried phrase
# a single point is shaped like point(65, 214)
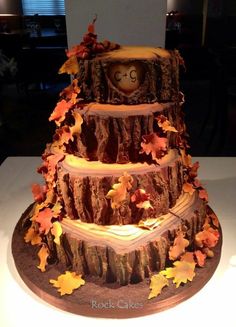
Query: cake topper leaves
point(154, 145)
point(164, 123)
point(178, 248)
point(71, 66)
point(39, 192)
point(56, 231)
point(67, 283)
point(32, 236)
point(60, 111)
point(118, 193)
point(188, 188)
point(158, 282)
point(181, 272)
point(43, 255)
point(141, 199)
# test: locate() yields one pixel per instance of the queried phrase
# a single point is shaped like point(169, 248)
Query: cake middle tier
point(108, 194)
point(115, 133)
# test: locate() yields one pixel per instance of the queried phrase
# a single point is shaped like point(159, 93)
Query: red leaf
point(60, 111)
point(193, 170)
point(154, 145)
point(203, 194)
point(44, 218)
point(39, 192)
point(200, 257)
point(141, 199)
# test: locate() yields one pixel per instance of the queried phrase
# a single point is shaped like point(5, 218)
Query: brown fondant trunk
point(85, 197)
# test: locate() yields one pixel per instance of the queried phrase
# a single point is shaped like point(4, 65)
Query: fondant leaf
point(200, 257)
point(71, 66)
point(186, 158)
point(154, 145)
point(193, 170)
point(158, 282)
point(187, 257)
point(188, 188)
point(150, 223)
point(32, 236)
point(164, 123)
point(70, 92)
point(181, 272)
point(39, 192)
point(76, 128)
point(141, 199)
point(178, 248)
point(67, 283)
point(56, 231)
point(203, 194)
point(43, 255)
point(207, 238)
point(60, 111)
point(118, 193)
point(214, 219)
point(44, 218)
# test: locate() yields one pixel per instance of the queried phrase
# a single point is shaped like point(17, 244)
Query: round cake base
point(98, 299)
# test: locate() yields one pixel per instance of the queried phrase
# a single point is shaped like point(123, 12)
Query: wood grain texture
point(99, 299)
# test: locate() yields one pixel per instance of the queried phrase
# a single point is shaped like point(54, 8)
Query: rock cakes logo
point(119, 304)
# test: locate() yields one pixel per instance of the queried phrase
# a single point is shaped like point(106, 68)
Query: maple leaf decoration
point(48, 168)
point(118, 193)
point(154, 145)
point(181, 272)
point(164, 123)
point(39, 192)
point(89, 47)
point(59, 113)
point(207, 238)
point(158, 282)
point(44, 218)
point(67, 283)
point(43, 255)
point(141, 199)
point(178, 248)
point(70, 92)
point(71, 66)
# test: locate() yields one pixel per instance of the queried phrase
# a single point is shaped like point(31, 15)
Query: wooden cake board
point(98, 299)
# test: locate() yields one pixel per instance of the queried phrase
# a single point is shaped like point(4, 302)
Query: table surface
point(213, 305)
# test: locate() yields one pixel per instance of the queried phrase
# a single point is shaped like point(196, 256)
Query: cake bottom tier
point(129, 253)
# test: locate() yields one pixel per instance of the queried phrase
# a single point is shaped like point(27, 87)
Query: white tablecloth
point(214, 305)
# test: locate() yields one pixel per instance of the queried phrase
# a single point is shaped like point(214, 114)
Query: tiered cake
point(121, 200)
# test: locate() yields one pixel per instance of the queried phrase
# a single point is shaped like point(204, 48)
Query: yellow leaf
point(178, 248)
point(32, 236)
point(43, 255)
point(181, 272)
point(71, 66)
point(56, 231)
point(157, 283)
point(67, 282)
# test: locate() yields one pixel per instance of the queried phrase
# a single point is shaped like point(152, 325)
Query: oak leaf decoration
point(71, 66)
point(164, 123)
point(181, 272)
point(188, 257)
point(43, 255)
point(200, 258)
point(178, 248)
point(67, 282)
point(118, 193)
point(60, 111)
point(39, 192)
point(207, 238)
point(70, 92)
point(188, 188)
point(32, 236)
point(44, 218)
point(154, 145)
point(141, 199)
point(158, 282)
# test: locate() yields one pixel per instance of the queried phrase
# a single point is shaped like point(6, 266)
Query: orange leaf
point(203, 194)
point(154, 145)
point(60, 111)
point(187, 257)
point(207, 238)
point(67, 283)
point(39, 192)
point(214, 219)
point(178, 248)
point(43, 255)
point(119, 190)
point(200, 257)
point(164, 123)
point(70, 92)
point(181, 272)
point(44, 218)
point(193, 170)
point(188, 188)
point(32, 236)
point(51, 164)
point(71, 66)
point(157, 283)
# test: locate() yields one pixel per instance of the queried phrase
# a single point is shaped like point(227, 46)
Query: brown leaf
point(67, 283)
point(158, 282)
point(178, 248)
point(154, 145)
